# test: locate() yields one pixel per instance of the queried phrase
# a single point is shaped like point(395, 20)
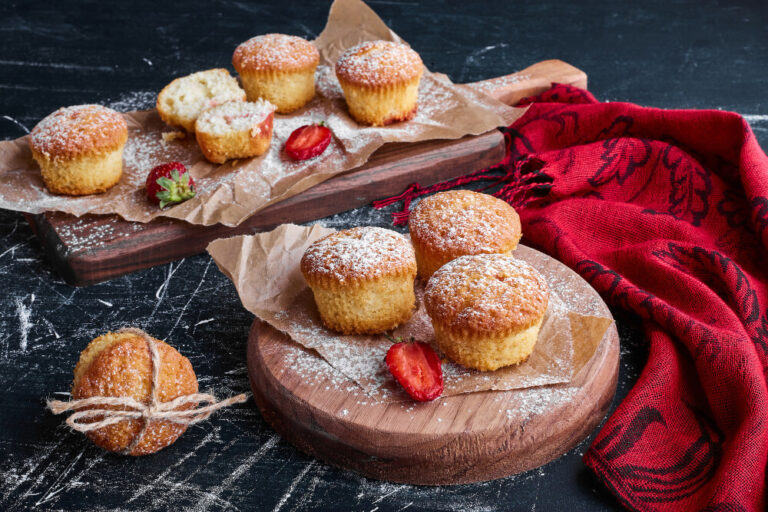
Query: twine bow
point(155, 410)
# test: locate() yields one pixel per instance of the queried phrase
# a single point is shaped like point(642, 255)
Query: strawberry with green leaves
point(170, 184)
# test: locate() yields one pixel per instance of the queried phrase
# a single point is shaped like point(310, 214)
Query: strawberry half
point(308, 141)
point(170, 184)
point(416, 366)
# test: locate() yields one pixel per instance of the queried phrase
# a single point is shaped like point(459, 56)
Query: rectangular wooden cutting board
point(93, 248)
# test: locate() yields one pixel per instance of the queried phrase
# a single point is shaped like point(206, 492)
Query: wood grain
point(453, 440)
point(95, 248)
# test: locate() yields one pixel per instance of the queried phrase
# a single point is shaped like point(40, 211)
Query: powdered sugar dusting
point(486, 292)
point(464, 222)
point(362, 252)
point(234, 116)
point(376, 63)
point(275, 52)
point(78, 129)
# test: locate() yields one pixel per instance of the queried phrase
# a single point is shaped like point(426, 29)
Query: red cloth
point(665, 213)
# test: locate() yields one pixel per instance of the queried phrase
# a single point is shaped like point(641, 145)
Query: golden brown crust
point(460, 222)
point(275, 52)
point(375, 64)
point(119, 364)
point(80, 130)
point(486, 295)
point(358, 255)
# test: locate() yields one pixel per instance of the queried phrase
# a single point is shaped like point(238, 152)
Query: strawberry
point(308, 141)
point(170, 184)
point(416, 366)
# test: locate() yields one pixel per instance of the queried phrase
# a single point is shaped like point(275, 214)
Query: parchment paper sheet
point(266, 274)
point(232, 192)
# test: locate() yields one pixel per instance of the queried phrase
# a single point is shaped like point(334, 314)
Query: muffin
point(119, 365)
point(459, 222)
point(486, 310)
point(362, 279)
point(235, 129)
point(80, 149)
point(278, 68)
point(184, 99)
point(380, 80)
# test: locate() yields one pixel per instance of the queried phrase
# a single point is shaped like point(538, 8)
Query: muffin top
point(493, 294)
point(234, 116)
point(78, 130)
point(120, 365)
point(458, 222)
point(277, 52)
point(379, 63)
point(357, 254)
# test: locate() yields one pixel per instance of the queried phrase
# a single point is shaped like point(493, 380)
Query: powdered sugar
point(275, 52)
point(234, 116)
point(362, 252)
point(378, 63)
point(76, 129)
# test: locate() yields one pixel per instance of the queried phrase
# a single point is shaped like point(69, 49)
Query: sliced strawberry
point(170, 184)
point(416, 366)
point(308, 141)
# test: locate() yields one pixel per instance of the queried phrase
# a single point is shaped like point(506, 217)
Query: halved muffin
point(184, 99)
point(235, 129)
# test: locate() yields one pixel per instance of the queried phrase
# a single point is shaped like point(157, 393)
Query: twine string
point(87, 409)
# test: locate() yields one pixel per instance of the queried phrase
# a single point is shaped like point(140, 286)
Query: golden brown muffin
point(278, 68)
point(80, 149)
point(459, 222)
point(380, 80)
point(362, 279)
point(183, 100)
point(235, 129)
point(119, 365)
point(486, 309)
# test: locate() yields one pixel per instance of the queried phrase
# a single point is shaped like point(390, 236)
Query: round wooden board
point(453, 440)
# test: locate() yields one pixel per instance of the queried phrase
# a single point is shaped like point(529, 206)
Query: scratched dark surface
point(701, 54)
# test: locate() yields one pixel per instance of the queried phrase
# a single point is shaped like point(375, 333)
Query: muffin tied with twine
point(134, 394)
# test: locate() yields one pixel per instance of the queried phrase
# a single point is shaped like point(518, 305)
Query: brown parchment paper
point(230, 193)
point(265, 271)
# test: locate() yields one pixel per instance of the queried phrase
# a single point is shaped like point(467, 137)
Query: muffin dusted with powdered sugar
point(486, 309)
point(380, 80)
point(460, 222)
point(362, 279)
point(279, 68)
point(235, 129)
point(80, 149)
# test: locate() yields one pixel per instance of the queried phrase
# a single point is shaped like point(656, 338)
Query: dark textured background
point(674, 54)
